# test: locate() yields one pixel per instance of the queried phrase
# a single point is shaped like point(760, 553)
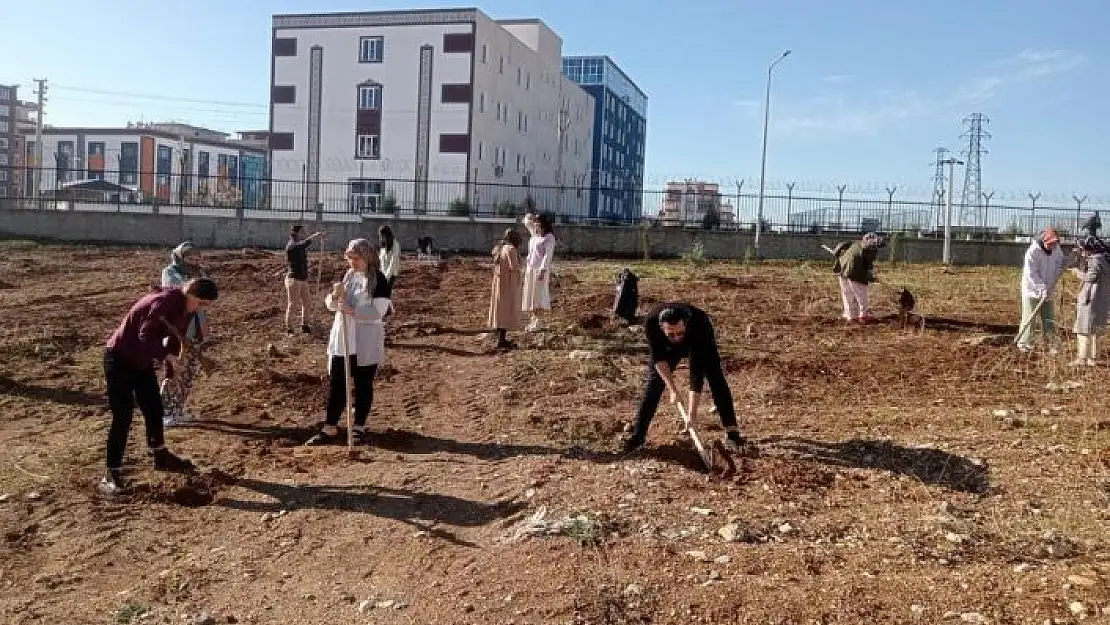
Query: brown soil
point(886, 490)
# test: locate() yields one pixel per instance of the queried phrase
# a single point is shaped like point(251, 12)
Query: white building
point(170, 163)
point(431, 107)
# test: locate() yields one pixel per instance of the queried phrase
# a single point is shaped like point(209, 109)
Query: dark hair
point(674, 314)
point(385, 238)
point(511, 236)
point(296, 229)
point(201, 288)
point(544, 222)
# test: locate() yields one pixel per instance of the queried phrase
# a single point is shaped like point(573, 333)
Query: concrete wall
point(457, 234)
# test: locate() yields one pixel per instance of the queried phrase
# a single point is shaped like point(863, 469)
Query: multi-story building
point(9, 102)
point(174, 163)
point(686, 203)
point(620, 127)
point(428, 108)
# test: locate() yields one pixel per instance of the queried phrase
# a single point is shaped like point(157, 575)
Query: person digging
point(144, 339)
point(675, 331)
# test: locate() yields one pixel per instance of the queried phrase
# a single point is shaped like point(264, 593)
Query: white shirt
point(541, 250)
point(1041, 271)
point(390, 260)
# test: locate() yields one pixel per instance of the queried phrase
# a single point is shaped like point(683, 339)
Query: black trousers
point(708, 365)
point(127, 386)
point(364, 391)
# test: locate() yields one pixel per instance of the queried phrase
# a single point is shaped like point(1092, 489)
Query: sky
point(870, 89)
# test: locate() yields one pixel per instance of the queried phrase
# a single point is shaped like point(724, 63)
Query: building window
point(369, 97)
point(368, 146)
point(520, 121)
point(526, 123)
point(5, 110)
point(454, 143)
point(458, 42)
point(483, 54)
point(285, 46)
point(3, 143)
point(481, 103)
point(455, 94)
point(518, 162)
point(95, 160)
point(129, 163)
point(479, 150)
point(283, 94)
point(528, 81)
point(4, 127)
point(281, 141)
point(501, 66)
point(370, 49)
point(519, 76)
point(364, 195)
point(203, 163)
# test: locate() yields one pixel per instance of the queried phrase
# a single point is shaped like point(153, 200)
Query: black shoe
point(738, 445)
point(321, 438)
point(633, 444)
point(166, 460)
point(289, 330)
point(361, 437)
point(305, 329)
point(112, 485)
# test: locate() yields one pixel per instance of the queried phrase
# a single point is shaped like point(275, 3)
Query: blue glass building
point(620, 127)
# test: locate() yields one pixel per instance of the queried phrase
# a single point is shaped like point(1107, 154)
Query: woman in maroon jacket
point(145, 338)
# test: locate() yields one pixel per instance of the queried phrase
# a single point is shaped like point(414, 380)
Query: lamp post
point(946, 253)
point(763, 160)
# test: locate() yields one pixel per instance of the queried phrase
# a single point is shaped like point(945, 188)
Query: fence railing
point(354, 197)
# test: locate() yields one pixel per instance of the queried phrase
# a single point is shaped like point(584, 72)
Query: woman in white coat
point(359, 302)
point(537, 273)
point(1092, 305)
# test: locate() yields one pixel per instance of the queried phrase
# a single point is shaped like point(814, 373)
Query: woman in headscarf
point(537, 275)
point(855, 269)
point(504, 312)
point(178, 383)
point(359, 301)
point(1092, 305)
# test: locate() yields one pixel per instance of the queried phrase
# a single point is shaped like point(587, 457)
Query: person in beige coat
point(1092, 304)
point(504, 310)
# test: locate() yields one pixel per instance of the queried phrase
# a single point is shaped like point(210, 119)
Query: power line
point(148, 96)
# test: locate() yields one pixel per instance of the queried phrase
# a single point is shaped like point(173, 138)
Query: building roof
point(143, 130)
point(612, 63)
point(357, 19)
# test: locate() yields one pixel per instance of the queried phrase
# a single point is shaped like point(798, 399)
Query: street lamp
point(763, 161)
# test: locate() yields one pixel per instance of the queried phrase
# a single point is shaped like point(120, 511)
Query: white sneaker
point(1091, 362)
point(1025, 349)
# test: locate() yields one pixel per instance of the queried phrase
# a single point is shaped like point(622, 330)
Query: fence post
point(1078, 210)
point(986, 211)
point(840, 188)
point(789, 203)
point(889, 203)
point(1033, 213)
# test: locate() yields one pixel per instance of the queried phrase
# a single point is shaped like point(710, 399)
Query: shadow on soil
point(9, 386)
point(421, 510)
point(931, 466)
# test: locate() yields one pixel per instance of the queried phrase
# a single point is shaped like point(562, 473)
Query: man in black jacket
point(675, 331)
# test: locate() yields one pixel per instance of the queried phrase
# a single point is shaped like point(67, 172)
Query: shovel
point(705, 457)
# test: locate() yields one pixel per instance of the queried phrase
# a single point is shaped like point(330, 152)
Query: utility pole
point(789, 201)
point(1078, 209)
point(840, 189)
point(1033, 197)
point(986, 210)
point(763, 159)
point(41, 93)
point(562, 123)
point(890, 191)
point(946, 254)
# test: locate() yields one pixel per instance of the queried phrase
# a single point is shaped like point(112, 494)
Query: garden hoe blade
point(706, 459)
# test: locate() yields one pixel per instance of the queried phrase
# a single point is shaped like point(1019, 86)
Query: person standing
point(296, 277)
point(1092, 305)
point(855, 271)
point(175, 388)
point(674, 331)
point(504, 313)
point(389, 255)
point(359, 302)
point(1044, 264)
point(145, 338)
point(537, 276)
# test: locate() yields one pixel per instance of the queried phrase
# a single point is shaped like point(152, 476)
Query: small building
point(170, 163)
point(687, 204)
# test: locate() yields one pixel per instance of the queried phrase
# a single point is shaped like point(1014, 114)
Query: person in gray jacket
point(1092, 305)
point(359, 302)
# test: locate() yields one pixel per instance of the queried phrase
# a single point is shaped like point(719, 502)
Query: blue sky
point(870, 89)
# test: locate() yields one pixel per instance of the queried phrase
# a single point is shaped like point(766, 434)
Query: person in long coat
point(1092, 305)
point(855, 271)
point(504, 310)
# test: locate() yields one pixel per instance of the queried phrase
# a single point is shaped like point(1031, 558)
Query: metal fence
point(783, 211)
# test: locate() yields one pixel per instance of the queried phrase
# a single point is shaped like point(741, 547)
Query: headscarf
point(1091, 244)
point(872, 240)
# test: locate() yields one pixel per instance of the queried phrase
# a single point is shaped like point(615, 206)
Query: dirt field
point(904, 477)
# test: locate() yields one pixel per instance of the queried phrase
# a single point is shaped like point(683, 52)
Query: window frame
point(364, 49)
point(375, 144)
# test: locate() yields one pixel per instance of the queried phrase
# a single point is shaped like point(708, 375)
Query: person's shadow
point(421, 510)
point(931, 466)
point(9, 386)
